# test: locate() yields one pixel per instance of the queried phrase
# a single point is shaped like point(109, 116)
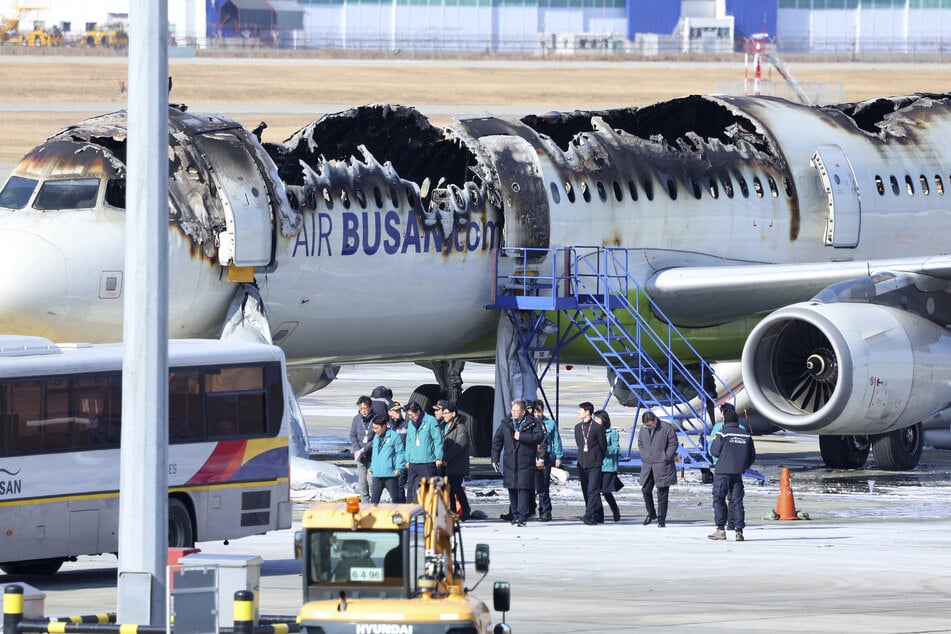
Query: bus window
point(96, 411)
point(186, 407)
point(25, 410)
point(236, 403)
point(75, 193)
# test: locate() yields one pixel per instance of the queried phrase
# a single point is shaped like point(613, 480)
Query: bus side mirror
point(501, 596)
point(482, 558)
point(298, 544)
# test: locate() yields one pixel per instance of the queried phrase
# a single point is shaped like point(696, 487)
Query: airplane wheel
point(180, 533)
point(899, 450)
point(844, 452)
point(426, 395)
point(91, 41)
point(33, 566)
point(475, 405)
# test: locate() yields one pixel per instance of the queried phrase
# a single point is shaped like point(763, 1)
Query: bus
point(60, 424)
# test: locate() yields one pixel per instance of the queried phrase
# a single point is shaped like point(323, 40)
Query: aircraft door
point(247, 239)
point(518, 174)
point(844, 221)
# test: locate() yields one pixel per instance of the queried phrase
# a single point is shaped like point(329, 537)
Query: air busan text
point(370, 233)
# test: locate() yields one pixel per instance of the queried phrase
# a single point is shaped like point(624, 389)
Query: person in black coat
point(735, 453)
point(515, 446)
point(592, 447)
point(455, 452)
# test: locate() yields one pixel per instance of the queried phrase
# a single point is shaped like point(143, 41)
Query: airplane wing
point(697, 296)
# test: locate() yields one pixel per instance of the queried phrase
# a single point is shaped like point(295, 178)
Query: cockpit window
point(16, 193)
point(75, 193)
point(115, 192)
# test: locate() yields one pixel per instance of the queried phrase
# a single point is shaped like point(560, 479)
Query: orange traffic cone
point(786, 505)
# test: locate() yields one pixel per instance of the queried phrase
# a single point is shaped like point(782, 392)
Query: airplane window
point(879, 185)
point(648, 189)
point(345, 198)
point(744, 188)
point(633, 189)
point(361, 197)
point(697, 192)
point(909, 186)
point(16, 193)
point(894, 182)
point(584, 192)
point(328, 199)
point(757, 187)
point(924, 184)
point(311, 198)
point(293, 200)
point(618, 194)
point(602, 193)
point(377, 197)
point(74, 193)
point(728, 186)
point(671, 189)
point(772, 186)
point(570, 191)
point(410, 198)
point(938, 184)
point(394, 197)
point(555, 194)
point(115, 192)
point(712, 186)
point(787, 185)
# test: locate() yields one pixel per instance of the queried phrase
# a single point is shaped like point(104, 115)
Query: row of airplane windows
point(712, 185)
point(910, 185)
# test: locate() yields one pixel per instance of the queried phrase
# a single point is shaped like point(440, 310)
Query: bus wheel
point(180, 533)
point(33, 566)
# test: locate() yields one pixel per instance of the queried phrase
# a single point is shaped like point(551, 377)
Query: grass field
point(67, 89)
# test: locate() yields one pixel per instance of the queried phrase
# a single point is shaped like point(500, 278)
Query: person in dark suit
point(592, 447)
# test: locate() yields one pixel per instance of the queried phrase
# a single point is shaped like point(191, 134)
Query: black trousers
point(391, 485)
point(591, 489)
point(458, 493)
point(660, 512)
point(416, 471)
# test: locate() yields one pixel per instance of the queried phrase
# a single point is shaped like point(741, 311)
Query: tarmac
point(873, 557)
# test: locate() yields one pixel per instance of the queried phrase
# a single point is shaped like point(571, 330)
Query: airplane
point(805, 241)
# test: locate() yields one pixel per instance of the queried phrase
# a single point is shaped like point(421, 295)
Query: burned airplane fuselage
point(370, 232)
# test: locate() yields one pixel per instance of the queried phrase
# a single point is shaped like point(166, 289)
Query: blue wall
point(750, 16)
point(652, 16)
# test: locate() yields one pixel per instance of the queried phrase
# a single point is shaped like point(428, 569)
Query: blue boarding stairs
point(589, 292)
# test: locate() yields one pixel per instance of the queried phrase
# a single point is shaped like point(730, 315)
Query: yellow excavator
point(392, 568)
point(10, 27)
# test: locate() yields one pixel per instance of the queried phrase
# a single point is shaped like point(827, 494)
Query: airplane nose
point(33, 286)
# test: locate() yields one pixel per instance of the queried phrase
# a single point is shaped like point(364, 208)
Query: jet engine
point(855, 373)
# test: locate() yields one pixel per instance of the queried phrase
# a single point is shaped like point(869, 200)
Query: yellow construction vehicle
point(106, 35)
point(41, 36)
point(392, 568)
point(10, 27)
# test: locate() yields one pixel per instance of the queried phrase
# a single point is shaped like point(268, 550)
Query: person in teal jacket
point(553, 453)
point(423, 448)
point(387, 461)
point(610, 482)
